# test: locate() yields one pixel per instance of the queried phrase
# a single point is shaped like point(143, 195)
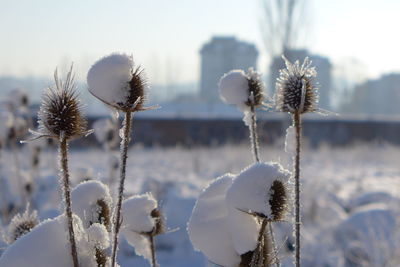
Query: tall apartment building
point(219, 56)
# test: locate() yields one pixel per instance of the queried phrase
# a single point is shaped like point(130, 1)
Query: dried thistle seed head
point(278, 200)
point(297, 92)
point(256, 88)
point(92, 202)
point(60, 112)
point(22, 224)
point(115, 81)
point(159, 227)
point(104, 213)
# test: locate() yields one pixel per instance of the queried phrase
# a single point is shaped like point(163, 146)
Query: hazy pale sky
point(165, 36)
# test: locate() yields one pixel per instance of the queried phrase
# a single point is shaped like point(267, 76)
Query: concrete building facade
point(219, 56)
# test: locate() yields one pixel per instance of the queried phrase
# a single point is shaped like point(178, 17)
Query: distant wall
point(206, 132)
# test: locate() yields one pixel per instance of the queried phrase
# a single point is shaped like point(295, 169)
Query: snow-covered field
point(350, 197)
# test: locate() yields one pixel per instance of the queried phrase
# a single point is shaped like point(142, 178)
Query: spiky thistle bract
point(60, 113)
point(256, 88)
point(297, 92)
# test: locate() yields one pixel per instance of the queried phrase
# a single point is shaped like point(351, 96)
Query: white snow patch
point(244, 230)
point(136, 213)
point(98, 236)
point(136, 220)
point(208, 226)
point(84, 200)
point(247, 118)
point(250, 191)
point(234, 89)
point(141, 243)
point(290, 141)
point(47, 245)
point(108, 78)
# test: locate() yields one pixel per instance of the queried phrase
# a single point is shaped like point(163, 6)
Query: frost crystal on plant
point(296, 89)
point(115, 81)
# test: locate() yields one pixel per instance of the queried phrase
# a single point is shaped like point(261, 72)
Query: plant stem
point(271, 230)
point(124, 156)
point(67, 195)
point(256, 154)
point(153, 251)
point(260, 255)
point(297, 126)
point(253, 135)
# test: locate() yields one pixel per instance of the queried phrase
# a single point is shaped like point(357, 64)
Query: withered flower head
point(104, 213)
point(159, 227)
point(278, 200)
point(297, 92)
point(118, 83)
point(60, 113)
point(22, 224)
point(256, 87)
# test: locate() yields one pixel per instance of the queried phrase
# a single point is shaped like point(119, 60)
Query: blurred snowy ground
point(350, 197)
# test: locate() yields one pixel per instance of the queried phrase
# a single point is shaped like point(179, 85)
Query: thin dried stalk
point(124, 156)
point(256, 155)
point(153, 251)
point(297, 125)
point(67, 195)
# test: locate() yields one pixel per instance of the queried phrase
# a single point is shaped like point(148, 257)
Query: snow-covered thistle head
point(60, 113)
point(117, 82)
point(22, 224)
point(244, 90)
point(91, 201)
point(261, 190)
point(297, 92)
point(99, 238)
point(141, 215)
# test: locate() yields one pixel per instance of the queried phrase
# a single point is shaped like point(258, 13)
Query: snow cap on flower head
point(261, 189)
point(241, 89)
point(115, 81)
point(92, 202)
point(297, 91)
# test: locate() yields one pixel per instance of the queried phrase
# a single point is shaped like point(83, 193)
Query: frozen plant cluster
point(223, 224)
